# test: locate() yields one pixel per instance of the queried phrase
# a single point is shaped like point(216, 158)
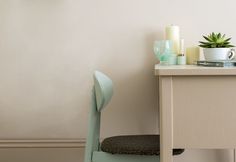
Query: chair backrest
point(103, 89)
point(101, 95)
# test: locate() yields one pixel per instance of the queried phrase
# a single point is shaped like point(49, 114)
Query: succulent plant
point(216, 40)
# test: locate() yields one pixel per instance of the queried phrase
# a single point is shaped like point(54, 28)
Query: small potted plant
point(217, 47)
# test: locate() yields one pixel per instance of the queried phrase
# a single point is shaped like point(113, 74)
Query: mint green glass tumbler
point(163, 51)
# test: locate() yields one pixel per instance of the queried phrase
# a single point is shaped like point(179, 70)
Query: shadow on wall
point(224, 154)
point(213, 155)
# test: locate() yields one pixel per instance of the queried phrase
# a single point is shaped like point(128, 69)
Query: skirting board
point(43, 143)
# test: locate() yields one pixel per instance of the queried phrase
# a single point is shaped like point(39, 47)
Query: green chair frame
point(101, 95)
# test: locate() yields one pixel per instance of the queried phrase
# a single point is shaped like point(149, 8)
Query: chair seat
point(134, 144)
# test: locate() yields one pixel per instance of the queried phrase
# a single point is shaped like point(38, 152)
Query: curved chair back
point(103, 89)
point(101, 95)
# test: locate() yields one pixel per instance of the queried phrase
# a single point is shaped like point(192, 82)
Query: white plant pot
point(213, 54)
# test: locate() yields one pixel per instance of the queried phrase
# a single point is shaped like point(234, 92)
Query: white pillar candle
point(192, 54)
point(172, 33)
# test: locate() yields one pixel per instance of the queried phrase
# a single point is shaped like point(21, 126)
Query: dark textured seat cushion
point(134, 144)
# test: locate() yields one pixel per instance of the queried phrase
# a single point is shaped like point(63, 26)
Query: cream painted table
point(197, 108)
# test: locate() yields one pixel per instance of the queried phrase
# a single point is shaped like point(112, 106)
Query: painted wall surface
point(50, 48)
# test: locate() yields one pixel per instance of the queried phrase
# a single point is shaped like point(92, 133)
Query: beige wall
point(50, 48)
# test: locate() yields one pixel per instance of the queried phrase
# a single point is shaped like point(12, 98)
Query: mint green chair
point(130, 148)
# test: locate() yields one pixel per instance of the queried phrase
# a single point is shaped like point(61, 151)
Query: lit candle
point(172, 33)
point(192, 54)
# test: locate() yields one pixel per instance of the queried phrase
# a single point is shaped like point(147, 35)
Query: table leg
point(166, 118)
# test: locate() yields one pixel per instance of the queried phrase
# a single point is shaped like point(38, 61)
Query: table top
point(178, 70)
